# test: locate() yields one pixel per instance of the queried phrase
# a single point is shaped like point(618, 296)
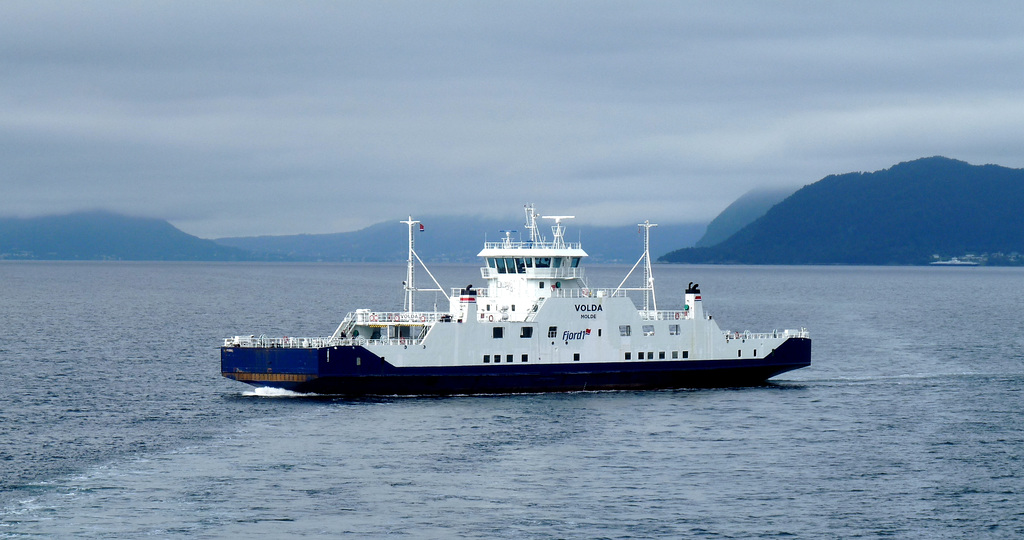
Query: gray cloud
point(275, 118)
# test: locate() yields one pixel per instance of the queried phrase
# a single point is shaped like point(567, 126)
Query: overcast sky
point(251, 118)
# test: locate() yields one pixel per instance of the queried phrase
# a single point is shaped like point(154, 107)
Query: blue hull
point(354, 370)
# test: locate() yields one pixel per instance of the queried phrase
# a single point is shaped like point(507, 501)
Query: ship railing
point(774, 334)
point(663, 315)
point(573, 292)
point(382, 318)
point(564, 272)
point(533, 245)
point(285, 342)
point(311, 342)
point(479, 293)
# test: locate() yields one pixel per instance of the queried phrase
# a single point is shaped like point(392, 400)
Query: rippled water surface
point(115, 422)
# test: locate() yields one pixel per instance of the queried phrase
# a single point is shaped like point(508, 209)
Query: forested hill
point(106, 236)
point(906, 214)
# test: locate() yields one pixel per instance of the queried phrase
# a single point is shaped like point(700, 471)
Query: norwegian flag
point(588, 331)
point(421, 227)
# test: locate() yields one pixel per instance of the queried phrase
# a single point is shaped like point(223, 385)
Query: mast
point(648, 272)
point(410, 273)
point(531, 225)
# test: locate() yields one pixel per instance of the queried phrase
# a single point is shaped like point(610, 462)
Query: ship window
point(650, 355)
point(526, 357)
point(529, 262)
point(543, 262)
point(675, 355)
point(598, 332)
point(513, 307)
point(487, 359)
point(640, 355)
point(755, 352)
point(501, 266)
point(526, 332)
point(511, 264)
point(556, 262)
point(673, 329)
point(552, 331)
point(508, 358)
point(739, 353)
point(624, 330)
point(661, 355)
point(575, 357)
point(686, 354)
point(521, 265)
point(541, 284)
point(648, 329)
point(628, 355)
point(498, 332)
point(491, 263)
point(575, 262)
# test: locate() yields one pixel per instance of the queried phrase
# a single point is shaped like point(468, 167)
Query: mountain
point(451, 239)
point(750, 206)
point(906, 214)
point(106, 236)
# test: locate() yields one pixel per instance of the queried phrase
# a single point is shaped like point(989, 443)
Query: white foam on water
point(267, 391)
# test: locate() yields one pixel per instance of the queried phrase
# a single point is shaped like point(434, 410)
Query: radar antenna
point(558, 230)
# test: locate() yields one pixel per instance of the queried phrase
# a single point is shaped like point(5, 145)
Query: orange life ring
point(423, 318)
point(373, 317)
point(490, 318)
point(677, 315)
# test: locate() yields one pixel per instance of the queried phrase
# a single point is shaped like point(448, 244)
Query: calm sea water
point(115, 422)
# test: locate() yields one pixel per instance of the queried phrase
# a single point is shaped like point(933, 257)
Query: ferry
point(535, 326)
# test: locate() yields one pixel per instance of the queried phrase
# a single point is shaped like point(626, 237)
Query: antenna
point(558, 230)
point(508, 237)
point(531, 224)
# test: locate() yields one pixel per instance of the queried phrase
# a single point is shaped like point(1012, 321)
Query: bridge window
point(556, 262)
point(529, 262)
point(543, 262)
point(498, 332)
point(575, 262)
point(501, 266)
point(521, 265)
point(510, 263)
point(491, 263)
point(526, 332)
